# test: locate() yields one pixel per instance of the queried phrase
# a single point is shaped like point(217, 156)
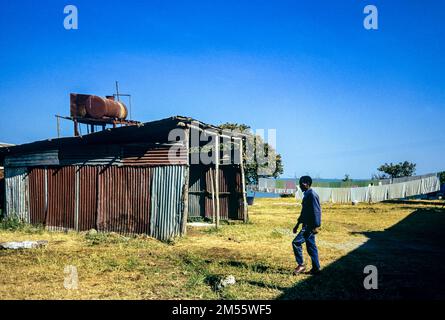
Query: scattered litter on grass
point(14, 245)
point(200, 224)
point(227, 281)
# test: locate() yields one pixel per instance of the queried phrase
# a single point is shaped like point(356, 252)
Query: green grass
point(401, 239)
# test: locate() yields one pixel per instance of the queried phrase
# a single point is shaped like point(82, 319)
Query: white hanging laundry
point(298, 194)
point(341, 195)
point(379, 193)
point(396, 191)
point(323, 193)
point(430, 184)
point(360, 194)
point(413, 188)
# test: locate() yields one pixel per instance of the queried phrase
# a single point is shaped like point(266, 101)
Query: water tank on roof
point(98, 108)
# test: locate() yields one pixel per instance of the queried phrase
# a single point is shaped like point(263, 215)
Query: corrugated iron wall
point(138, 155)
point(124, 199)
point(61, 198)
point(86, 201)
point(197, 192)
point(140, 193)
point(90, 155)
point(44, 158)
point(167, 201)
point(16, 193)
point(230, 192)
point(108, 198)
point(37, 195)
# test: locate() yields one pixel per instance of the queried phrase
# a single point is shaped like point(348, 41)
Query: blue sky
point(342, 99)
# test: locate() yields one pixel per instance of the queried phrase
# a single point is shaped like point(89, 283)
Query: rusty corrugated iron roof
point(153, 131)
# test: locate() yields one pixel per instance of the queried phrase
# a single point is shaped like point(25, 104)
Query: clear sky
point(342, 99)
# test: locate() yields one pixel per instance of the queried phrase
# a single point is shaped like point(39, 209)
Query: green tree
point(397, 170)
point(442, 177)
point(379, 176)
point(252, 168)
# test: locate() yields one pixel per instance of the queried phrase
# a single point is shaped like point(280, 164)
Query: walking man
point(310, 218)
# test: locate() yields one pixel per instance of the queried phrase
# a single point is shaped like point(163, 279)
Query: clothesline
point(397, 189)
point(376, 193)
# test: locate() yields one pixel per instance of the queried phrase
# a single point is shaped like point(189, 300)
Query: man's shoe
point(299, 269)
point(315, 271)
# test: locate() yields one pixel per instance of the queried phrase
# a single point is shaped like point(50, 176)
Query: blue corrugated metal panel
point(167, 202)
point(44, 158)
point(16, 193)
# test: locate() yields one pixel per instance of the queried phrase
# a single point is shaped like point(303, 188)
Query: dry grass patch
point(258, 254)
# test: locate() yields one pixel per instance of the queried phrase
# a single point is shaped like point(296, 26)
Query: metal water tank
point(98, 108)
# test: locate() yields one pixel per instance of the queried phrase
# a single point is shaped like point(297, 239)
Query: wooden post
point(76, 197)
point(76, 128)
point(185, 209)
point(243, 181)
point(217, 179)
point(212, 185)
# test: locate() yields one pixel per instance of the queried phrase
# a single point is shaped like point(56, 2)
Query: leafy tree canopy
point(255, 169)
point(397, 170)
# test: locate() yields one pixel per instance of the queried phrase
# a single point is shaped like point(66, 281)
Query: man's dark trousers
point(306, 235)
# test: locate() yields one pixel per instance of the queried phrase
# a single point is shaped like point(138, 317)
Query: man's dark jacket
point(311, 210)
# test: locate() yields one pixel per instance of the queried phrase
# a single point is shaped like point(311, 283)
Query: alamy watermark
point(71, 20)
point(371, 21)
point(210, 146)
point(71, 281)
point(371, 281)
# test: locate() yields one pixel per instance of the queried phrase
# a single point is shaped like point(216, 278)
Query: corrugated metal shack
point(2, 180)
point(130, 180)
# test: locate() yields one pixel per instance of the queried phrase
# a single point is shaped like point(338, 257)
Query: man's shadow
point(409, 257)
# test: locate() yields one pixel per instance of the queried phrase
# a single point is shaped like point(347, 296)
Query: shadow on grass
point(255, 267)
point(409, 257)
point(416, 202)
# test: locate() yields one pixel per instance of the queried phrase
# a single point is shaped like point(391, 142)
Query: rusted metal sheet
point(154, 155)
point(37, 195)
point(230, 192)
point(16, 193)
point(43, 158)
point(129, 155)
point(124, 199)
point(90, 155)
point(61, 198)
point(86, 197)
point(166, 201)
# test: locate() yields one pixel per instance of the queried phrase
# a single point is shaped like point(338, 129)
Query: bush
point(12, 223)
point(442, 177)
point(93, 238)
point(287, 195)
